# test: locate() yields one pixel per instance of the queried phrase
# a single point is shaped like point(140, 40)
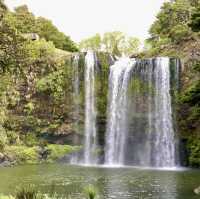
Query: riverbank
point(18, 155)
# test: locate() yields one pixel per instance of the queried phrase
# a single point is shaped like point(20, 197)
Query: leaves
point(116, 43)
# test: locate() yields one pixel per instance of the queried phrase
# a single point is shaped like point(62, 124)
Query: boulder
point(2, 157)
point(197, 190)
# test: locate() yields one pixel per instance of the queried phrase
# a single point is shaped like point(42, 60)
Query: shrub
point(90, 192)
point(58, 151)
point(28, 192)
point(194, 151)
point(23, 154)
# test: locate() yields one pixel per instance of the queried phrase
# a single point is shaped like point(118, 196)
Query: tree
point(25, 21)
point(92, 43)
point(112, 42)
point(174, 28)
point(130, 46)
point(12, 46)
point(195, 20)
point(48, 31)
point(116, 43)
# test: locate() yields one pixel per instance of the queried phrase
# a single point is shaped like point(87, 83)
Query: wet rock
point(2, 157)
point(5, 164)
point(44, 153)
point(197, 190)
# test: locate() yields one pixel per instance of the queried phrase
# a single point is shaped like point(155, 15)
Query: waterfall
point(76, 109)
point(90, 142)
point(140, 127)
point(117, 111)
point(164, 137)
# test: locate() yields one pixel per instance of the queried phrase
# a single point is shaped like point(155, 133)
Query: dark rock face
point(6, 161)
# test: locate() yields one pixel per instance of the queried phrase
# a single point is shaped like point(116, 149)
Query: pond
point(111, 183)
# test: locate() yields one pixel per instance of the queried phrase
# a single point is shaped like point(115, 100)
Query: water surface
point(112, 183)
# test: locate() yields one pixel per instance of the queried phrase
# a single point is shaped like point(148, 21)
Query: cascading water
point(76, 111)
point(164, 147)
point(90, 142)
point(117, 111)
point(140, 126)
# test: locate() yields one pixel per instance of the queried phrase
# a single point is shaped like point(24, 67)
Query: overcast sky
point(82, 18)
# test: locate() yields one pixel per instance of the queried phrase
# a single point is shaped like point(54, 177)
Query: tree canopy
point(25, 22)
point(116, 43)
point(195, 20)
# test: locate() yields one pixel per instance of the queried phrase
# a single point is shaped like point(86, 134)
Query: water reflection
point(139, 185)
point(111, 183)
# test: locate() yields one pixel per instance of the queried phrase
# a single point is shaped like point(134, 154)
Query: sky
point(81, 19)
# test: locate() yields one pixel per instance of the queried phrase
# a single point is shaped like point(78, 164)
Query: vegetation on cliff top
point(116, 43)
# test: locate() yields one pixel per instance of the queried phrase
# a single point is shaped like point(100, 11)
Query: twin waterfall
point(140, 126)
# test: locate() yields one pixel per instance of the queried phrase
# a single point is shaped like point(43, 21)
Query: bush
point(90, 192)
point(23, 154)
point(179, 32)
point(194, 151)
point(192, 94)
point(58, 151)
point(27, 193)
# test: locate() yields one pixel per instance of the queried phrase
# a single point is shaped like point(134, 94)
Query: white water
point(139, 125)
point(90, 142)
point(76, 109)
point(117, 111)
point(164, 139)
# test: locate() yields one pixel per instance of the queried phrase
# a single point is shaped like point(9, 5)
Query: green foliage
point(189, 117)
point(29, 108)
point(23, 20)
point(28, 192)
point(58, 151)
point(179, 32)
point(12, 47)
point(23, 154)
point(53, 83)
point(92, 43)
point(40, 51)
point(116, 43)
point(47, 30)
point(194, 151)
point(112, 42)
point(131, 46)
point(30, 139)
point(192, 94)
point(195, 20)
point(165, 32)
point(90, 192)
